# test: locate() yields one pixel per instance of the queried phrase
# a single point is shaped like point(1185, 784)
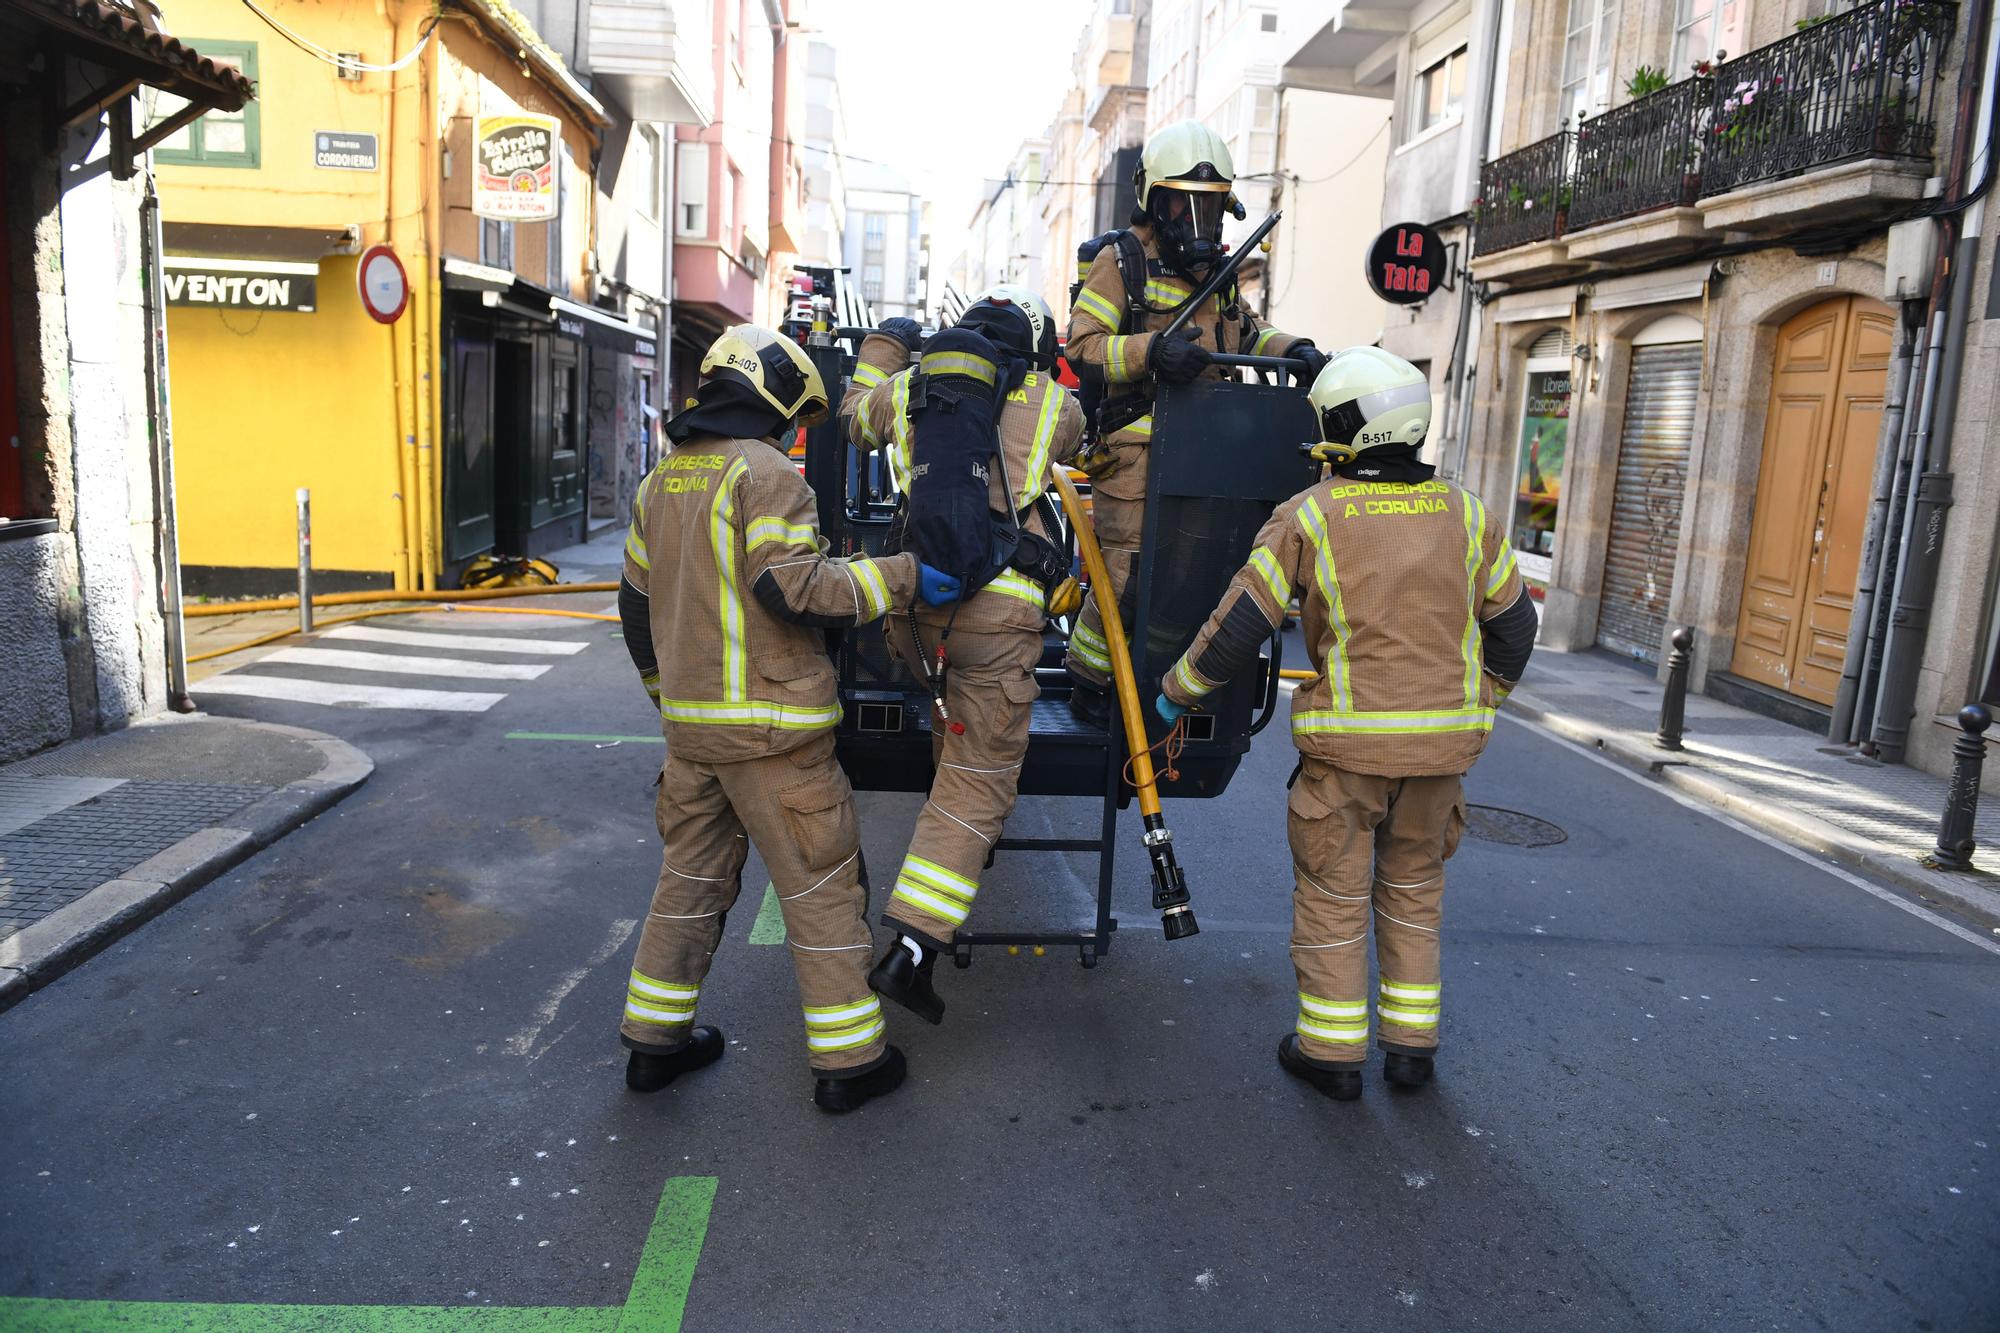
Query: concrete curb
point(60, 941)
point(1795, 827)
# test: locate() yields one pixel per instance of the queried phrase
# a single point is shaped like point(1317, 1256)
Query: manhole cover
point(1489, 823)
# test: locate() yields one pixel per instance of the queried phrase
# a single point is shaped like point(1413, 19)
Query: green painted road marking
point(656, 1300)
point(577, 736)
point(769, 927)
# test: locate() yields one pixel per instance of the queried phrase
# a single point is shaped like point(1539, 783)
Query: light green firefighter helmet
point(1367, 398)
point(1186, 155)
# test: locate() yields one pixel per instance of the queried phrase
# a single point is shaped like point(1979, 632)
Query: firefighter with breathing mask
point(1137, 282)
point(726, 592)
point(1417, 625)
point(1009, 423)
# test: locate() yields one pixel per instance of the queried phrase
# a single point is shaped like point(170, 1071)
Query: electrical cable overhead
point(334, 58)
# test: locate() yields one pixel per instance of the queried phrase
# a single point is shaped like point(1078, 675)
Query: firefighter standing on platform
point(724, 597)
point(1418, 625)
point(995, 634)
point(1138, 281)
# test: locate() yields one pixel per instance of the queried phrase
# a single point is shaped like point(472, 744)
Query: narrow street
point(1688, 1079)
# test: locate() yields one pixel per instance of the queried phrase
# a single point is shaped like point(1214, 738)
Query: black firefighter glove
point(905, 331)
point(1178, 360)
point(1315, 360)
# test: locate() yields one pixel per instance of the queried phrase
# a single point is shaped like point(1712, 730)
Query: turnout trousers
point(1121, 525)
point(1362, 847)
point(990, 690)
point(799, 810)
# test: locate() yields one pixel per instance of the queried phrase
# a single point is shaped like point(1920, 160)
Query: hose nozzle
point(1170, 891)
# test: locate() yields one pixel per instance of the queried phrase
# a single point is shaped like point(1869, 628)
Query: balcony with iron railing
point(1836, 122)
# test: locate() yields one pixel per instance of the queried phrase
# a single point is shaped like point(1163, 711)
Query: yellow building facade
point(282, 378)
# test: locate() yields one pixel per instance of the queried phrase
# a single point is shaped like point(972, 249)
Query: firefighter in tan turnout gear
point(1137, 283)
point(1417, 625)
point(993, 638)
point(725, 595)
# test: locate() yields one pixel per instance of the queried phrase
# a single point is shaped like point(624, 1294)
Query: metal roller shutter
point(1646, 504)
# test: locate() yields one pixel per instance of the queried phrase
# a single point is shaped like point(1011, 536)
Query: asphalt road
point(1688, 1081)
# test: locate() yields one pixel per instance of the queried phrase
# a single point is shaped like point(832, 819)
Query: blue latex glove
point(936, 587)
point(1168, 709)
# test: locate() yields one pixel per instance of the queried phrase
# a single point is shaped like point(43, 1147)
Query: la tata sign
point(240, 284)
point(1406, 263)
point(514, 167)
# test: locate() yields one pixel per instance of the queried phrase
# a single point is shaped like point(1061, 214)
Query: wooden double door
point(1820, 436)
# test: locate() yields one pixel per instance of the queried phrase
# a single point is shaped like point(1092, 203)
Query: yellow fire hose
point(384, 595)
point(288, 632)
point(1170, 895)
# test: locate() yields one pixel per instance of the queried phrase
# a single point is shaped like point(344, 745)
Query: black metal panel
point(1639, 157)
point(1223, 457)
point(1523, 195)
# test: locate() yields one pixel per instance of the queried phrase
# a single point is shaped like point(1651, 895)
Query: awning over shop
point(601, 328)
point(223, 240)
point(1668, 284)
point(501, 289)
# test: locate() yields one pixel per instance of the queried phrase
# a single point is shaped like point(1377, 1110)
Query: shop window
point(220, 138)
point(1544, 444)
point(1441, 92)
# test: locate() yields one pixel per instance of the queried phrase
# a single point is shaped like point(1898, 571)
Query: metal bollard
point(1961, 799)
point(305, 561)
point(1673, 706)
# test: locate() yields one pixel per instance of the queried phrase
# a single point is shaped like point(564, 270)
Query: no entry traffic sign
point(385, 287)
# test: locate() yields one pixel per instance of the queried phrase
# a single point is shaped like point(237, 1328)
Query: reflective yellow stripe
point(874, 588)
point(1263, 339)
point(1115, 368)
point(1172, 293)
point(935, 876)
point(1089, 647)
point(749, 713)
point(1188, 681)
point(899, 450)
point(839, 1015)
point(1475, 553)
point(666, 1018)
point(722, 540)
point(1099, 309)
point(1266, 564)
point(932, 903)
point(959, 363)
point(1038, 452)
point(1009, 583)
point(1344, 1033)
point(1502, 567)
point(1336, 721)
point(1405, 990)
point(1337, 676)
point(1323, 1008)
point(868, 376)
point(768, 530)
point(1143, 426)
point(635, 546)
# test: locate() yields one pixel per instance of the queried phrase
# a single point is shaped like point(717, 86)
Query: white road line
point(477, 643)
point(328, 692)
point(523, 1041)
point(408, 666)
point(1888, 896)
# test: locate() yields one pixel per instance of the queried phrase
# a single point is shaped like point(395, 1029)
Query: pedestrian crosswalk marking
point(769, 927)
point(409, 666)
point(475, 643)
point(339, 692)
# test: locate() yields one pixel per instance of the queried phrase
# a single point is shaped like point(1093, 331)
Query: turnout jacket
point(725, 567)
point(1040, 425)
point(1096, 346)
point(1416, 622)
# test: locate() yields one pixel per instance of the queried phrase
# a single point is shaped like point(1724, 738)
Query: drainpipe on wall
point(1458, 396)
point(159, 420)
point(1879, 559)
point(1923, 541)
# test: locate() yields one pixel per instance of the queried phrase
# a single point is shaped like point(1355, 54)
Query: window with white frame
point(649, 166)
point(1589, 37)
point(1440, 92)
point(1704, 27)
point(691, 166)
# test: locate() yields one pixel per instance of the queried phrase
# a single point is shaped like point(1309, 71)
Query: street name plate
point(340, 150)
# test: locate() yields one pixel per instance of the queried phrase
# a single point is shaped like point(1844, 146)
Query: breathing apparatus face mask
point(1189, 225)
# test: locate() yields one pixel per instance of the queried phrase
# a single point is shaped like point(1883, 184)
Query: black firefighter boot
point(1406, 1071)
point(837, 1094)
point(1090, 705)
point(653, 1067)
point(904, 975)
point(1343, 1085)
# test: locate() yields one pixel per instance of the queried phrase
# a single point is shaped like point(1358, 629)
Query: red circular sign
point(385, 287)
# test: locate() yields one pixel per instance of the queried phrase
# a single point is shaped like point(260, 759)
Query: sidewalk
point(1879, 818)
point(101, 835)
